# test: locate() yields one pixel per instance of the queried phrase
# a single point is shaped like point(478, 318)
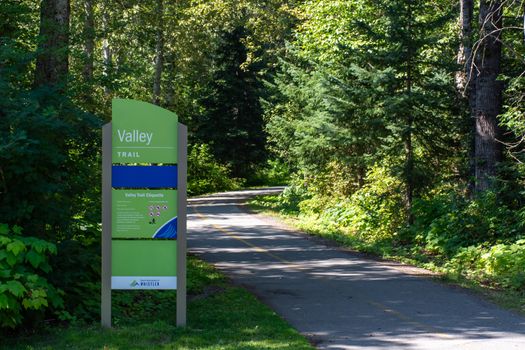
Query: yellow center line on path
point(294, 266)
point(410, 320)
point(249, 244)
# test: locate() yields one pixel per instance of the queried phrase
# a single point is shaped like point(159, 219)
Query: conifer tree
point(233, 123)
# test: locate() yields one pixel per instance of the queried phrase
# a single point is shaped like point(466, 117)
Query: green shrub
point(273, 173)
point(206, 174)
point(506, 264)
point(292, 197)
point(501, 264)
point(76, 271)
point(23, 287)
point(445, 223)
point(374, 213)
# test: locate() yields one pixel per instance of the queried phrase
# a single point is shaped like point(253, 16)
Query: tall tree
point(233, 122)
point(400, 38)
point(409, 117)
point(159, 52)
point(488, 93)
point(466, 81)
point(52, 63)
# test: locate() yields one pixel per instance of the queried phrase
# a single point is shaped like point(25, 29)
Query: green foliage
point(514, 117)
point(274, 173)
point(447, 222)
point(356, 91)
point(292, 197)
point(374, 213)
point(51, 141)
point(77, 274)
point(24, 289)
point(206, 174)
point(239, 139)
point(49, 146)
point(49, 175)
point(501, 265)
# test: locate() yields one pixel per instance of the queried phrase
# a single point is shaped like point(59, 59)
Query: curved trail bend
point(338, 299)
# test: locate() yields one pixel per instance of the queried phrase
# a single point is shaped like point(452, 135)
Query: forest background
point(398, 125)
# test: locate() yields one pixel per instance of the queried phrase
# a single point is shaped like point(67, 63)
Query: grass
point(271, 205)
point(220, 316)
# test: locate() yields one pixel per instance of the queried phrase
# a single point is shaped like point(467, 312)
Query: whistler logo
point(145, 283)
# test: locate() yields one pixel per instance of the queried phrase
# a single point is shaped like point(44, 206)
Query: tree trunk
point(89, 40)
point(361, 175)
point(53, 50)
point(159, 53)
point(464, 59)
point(407, 137)
point(488, 94)
point(107, 56)
point(466, 80)
point(169, 91)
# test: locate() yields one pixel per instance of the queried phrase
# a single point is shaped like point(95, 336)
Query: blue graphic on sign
point(168, 230)
point(144, 176)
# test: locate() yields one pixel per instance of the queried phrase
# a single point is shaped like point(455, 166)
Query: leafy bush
point(77, 272)
point(273, 173)
point(376, 211)
point(500, 264)
point(206, 174)
point(292, 197)
point(513, 117)
point(506, 264)
point(373, 213)
point(23, 287)
point(446, 223)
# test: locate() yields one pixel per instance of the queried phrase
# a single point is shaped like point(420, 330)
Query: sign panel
point(143, 133)
point(144, 214)
point(139, 264)
point(144, 165)
point(143, 196)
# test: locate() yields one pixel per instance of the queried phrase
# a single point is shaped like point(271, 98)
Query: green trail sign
point(143, 203)
point(143, 133)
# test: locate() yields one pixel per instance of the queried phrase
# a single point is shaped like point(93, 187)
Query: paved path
point(338, 299)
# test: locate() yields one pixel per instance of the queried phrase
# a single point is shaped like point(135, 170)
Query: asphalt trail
point(338, 299)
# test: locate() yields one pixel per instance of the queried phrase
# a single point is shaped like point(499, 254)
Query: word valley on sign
point(135, 136)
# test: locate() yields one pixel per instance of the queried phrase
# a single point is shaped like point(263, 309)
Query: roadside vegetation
point(220, 316)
